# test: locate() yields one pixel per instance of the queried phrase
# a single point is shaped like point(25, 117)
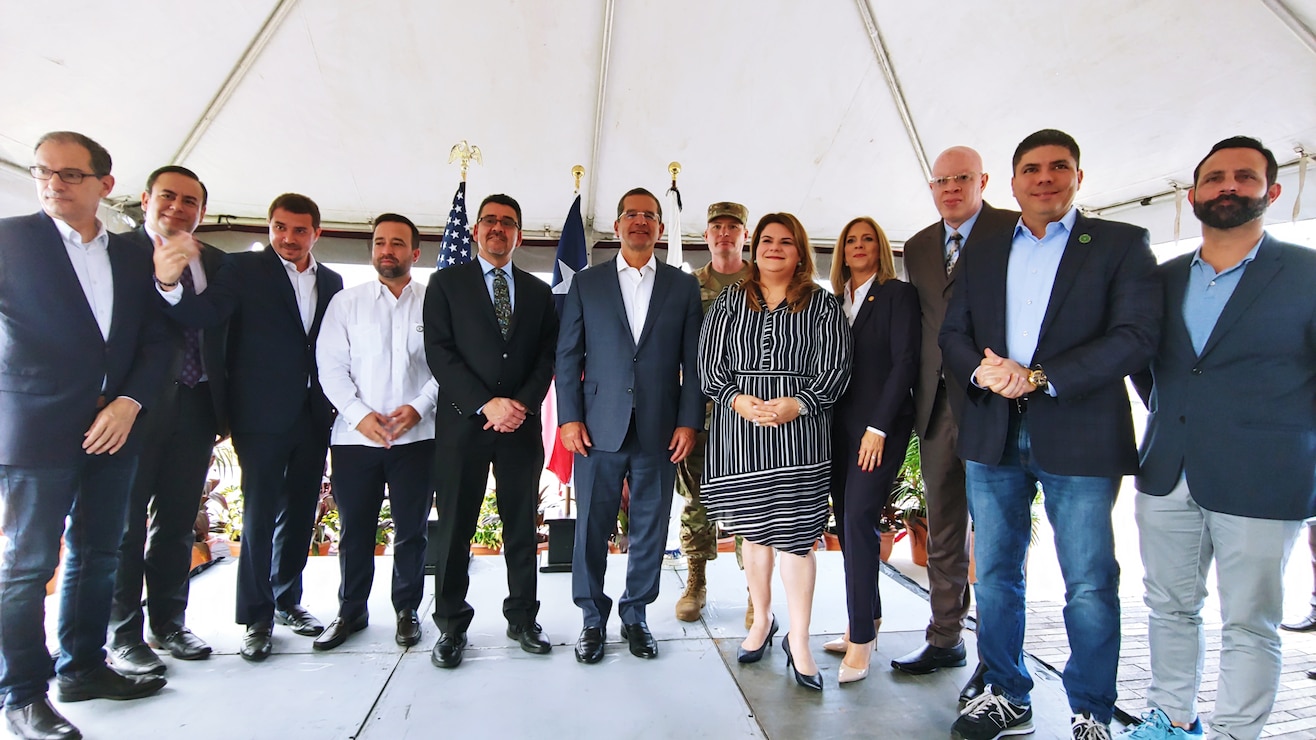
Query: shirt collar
point(1251, 255)
point(963, 229)
point(651, 265)
point(1066, 222)
point(486, 266)
point(382, 291)
point(73, 237)
point(292, 267)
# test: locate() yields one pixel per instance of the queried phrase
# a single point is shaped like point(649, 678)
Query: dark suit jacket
point(886, 344)
point(213, 341)
point(271, 358)
point(925, 266)
point(603, 374)
point(1102, 323)
point(470, 358)
point(1240, 419)
point(53, 358)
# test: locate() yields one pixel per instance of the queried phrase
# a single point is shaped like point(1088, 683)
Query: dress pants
point(179, 435)
point(360, 474)
point(599, 479)
point(281, 477)
point(92, 493)
point(858, 500)
point(1179, 539)
point(948, 526)
point(462, 477)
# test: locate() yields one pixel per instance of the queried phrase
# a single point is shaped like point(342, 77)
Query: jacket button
point(628, 390)
point(1197, 371)
point(504, 355)
point(1182, 420)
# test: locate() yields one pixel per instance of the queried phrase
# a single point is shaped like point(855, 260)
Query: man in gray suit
point(627, 422)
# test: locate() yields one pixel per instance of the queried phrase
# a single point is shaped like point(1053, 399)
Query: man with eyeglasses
point(82, 349)
point(627, 421)
point(490, 332)
point(930, 257)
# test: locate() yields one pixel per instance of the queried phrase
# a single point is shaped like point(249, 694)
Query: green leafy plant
point(384, 527)
point(909, 496)
point(489, 527)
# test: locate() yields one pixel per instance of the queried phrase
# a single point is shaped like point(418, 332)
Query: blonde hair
point(886, 263)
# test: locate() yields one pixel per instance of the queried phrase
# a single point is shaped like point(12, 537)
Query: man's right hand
point(172, 256)
point(575, 437)
point(375, 428)
point(504, 414)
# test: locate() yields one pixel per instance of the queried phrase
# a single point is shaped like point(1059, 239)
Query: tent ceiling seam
point(893, 84)
point(1294, 23)
point(599, 101)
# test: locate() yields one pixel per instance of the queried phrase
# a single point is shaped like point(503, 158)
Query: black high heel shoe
point(809, 682)
point(753, 656)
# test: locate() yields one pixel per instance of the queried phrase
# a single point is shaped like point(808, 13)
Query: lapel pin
point(870, 298)
point(1084, 238)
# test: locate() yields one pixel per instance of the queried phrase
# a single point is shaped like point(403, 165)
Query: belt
point(1021, 404)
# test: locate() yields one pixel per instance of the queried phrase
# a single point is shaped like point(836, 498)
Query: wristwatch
point(804, 410)
point(1037, 376)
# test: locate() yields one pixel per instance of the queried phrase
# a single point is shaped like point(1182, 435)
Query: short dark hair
point(502, 200)
point(173, 169)
point(639, 191)
point(1243, 142)
point(1045, 137)
point(296, 203)
point(100, 158)
point(397, 218)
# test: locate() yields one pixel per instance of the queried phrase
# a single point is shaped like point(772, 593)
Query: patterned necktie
point(953, 251)
point(502, 300)
point(191, 372)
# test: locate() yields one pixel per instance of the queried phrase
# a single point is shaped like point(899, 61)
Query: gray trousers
point(1178, 541)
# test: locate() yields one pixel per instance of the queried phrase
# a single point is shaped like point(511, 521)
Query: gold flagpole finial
point(464, 152)
point(578, 172)
point(674, 169)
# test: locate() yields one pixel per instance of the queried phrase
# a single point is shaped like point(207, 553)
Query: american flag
point(456, 246)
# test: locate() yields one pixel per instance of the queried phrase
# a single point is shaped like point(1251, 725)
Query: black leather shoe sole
point(337, 633)
point(124, 690)
point(928, 659)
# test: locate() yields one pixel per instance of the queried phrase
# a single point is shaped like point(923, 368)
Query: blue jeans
point(93, 495)
point(1078, 508)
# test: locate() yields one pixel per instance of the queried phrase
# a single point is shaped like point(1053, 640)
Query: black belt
point(1021, 404)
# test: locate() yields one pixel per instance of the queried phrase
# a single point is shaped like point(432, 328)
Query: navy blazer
point(1102, 323)
point(603, 374)
point(271, 358)
point(53, 358)
point(1240, 418)
point(886, 361)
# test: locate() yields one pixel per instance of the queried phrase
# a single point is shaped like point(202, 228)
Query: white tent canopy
point(828, 109)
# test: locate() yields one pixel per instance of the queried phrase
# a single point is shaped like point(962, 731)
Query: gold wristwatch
point(1037, 376)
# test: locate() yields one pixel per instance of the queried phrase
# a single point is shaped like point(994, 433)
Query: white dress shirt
point(852, 305)
point(371, 356)
point(91, 262)
point(303, 287)
point(636, 291)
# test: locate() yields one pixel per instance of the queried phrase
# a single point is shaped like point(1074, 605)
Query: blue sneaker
point(1156, 726)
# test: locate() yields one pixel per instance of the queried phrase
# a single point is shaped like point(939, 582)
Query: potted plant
point(384, 529)
point(327, 524)
point(909, 497)
point(228, 501)
point(889, 527)
point(488, 538)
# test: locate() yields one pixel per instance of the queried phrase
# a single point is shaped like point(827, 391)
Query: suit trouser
point(858, 500)
point(281, 477)
point(179, 436)
point(360, 474)
point(462, 476)
point(93, 494)
point(948, 526)
point(599, 479)
point(1178, 539)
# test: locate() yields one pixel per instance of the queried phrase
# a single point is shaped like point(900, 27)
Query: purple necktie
point(191, 373)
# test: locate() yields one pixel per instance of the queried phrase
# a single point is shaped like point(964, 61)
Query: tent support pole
point(893, 84)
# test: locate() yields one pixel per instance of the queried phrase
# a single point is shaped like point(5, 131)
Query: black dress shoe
point(1312, 674)
point(589, 648)
point(531, 638)
point(40, 721)
point(302, 622)
point(408, 633)
point(103, 682)
point(135, 660)
point(929, 658)
point(447, 652)
point(1306, 624)
point(641, 640)
point(256, 643)
point(338, 631)
point(976, 686)
point(814, 682)
point(754, 656)
point(183, 645)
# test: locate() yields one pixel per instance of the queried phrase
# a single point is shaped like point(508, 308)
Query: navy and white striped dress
point(770, 484)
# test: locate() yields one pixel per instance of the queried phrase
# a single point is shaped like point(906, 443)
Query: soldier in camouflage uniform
point(725, 235)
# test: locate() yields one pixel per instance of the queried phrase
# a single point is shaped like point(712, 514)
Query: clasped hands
point(504, 414)
point(1003, 376)
point(758, 412)
point(383, 430)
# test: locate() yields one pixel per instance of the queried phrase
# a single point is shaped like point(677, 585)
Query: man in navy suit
point(1229, 458)
point(180, 434)
point(278, 413)
point(1043, 327)
point(82, 350)
point(627, 421)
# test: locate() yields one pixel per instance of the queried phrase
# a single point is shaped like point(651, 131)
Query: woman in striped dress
point(774, 355)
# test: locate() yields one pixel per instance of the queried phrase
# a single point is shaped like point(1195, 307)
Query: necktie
point(502, 300)
point(192, 370)
point(953, 251)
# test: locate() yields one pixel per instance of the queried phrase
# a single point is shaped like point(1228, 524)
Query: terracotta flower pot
point(888, 542)
point(380, 548)
point(482, 550)
point(833, 542)
point(727, 544)
point(235, 548)
point(918, 540)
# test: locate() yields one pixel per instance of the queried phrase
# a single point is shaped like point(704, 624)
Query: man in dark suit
point(627, 422)
point(279, 415)
point(958, 179)
point(1229, 457)
point(82, 351)
point(180, 433)
point(1042, 329)
point(490, 334)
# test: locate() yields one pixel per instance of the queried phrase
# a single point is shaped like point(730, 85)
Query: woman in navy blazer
point(873, 421)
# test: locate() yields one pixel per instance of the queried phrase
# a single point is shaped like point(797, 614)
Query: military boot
point(696, 593)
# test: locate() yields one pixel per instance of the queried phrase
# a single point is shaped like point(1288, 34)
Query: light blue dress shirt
point(963, 231)
point(487, 268)
point(1030, 276)
point(1208, 292)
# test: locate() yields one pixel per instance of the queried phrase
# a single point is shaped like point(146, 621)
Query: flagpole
point(674, 256)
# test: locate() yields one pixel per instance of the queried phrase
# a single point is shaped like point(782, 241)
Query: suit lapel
point(1255, 278)
point(282, 284)
point(613, 291)
point(1080, 244)
point(1176, 284)
point(662, 283)
point(322, 297)
point(866, 309)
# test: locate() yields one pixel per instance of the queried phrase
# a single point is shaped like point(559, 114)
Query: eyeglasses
point(507, 222)
point(632, 215)
point(962, 179)
point(72, 177)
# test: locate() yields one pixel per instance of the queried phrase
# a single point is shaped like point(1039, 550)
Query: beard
point(1230, 211)
point(390, 269)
